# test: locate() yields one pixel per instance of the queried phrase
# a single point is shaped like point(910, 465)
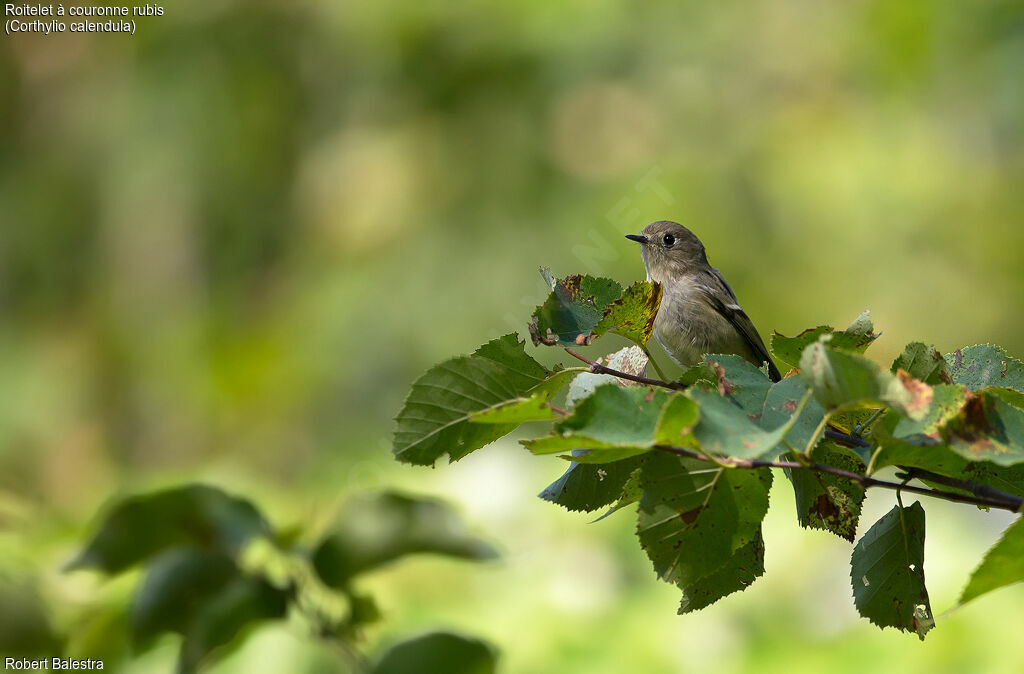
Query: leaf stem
point(654, 363)
point(597, 368)
point(1004, 502)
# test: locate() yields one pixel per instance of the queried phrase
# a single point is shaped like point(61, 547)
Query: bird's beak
point(639, 238)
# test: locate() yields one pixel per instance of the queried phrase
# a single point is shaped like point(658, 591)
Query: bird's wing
point(723, 299)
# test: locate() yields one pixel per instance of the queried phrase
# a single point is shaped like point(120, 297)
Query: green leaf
point(676, 422)
point(856, 338)
point(923, 362)
point(194, 515)
point(694, 516)
point(887, 572)
point(178, 584)
point(737, 573)
point(1003, 564)
point(987, 429)
point(435, 417)
point(611, 418)
point(825, 501)
point(726, 430)
point(438, 652)
point(377, 529)
point(572, 310)
point(1009, 479)
point(588, 487)
point(225, 615)
point(947, 402)
point(841, 380)
point(782, 402)
point(632, 315)
point(985, 365)
point(25, 629)
point(516, 411)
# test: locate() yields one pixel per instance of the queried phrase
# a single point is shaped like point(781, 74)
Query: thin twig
point(1009, 502)
point(982, 490)
point(597, 368)
point(654, 363)
point(846, 439)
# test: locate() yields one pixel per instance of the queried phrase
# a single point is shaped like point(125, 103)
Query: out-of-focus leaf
point(1003, 564)
point(614, 418)
point(25, 630)
point(987, 429)
point(239, 605)
point(923, 362)
point(177, 586)
point(440, 653)
point(435, 417)
point(588, 487)
point(573, 309)
point(829, 502)
point(856, 338)
point(841, 380)
point(782, 402)
point(194, 515)
point(630, 360)
point(887, 572)
point(694, 516)
point(985, 365)
point(632, 315)
point(737, 573)
point(377, 529)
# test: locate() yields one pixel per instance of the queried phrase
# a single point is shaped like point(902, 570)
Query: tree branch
point(597, 368)
point(1003, 502)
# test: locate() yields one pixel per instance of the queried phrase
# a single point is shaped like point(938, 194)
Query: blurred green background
point(229, 243)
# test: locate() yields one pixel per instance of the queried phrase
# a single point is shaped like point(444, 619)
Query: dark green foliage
point(887, 572)
point(378, 529)
point(438, 652)
point(829, 502)
point(211, 589)
point(195, 515)
point(589, 486)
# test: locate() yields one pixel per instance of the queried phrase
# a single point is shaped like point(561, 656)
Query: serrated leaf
point(632, 315)
point(856, 338)
point(923, 362)
point(782, 402)
point(200, 516)
point(694, 516)
point(611, 418)
point(985, 365)
point(630, 360)
point(435, 417)
point(226, 614)
point(737, 573)
point(825, 501)
point(726, 430)
point(572, 310)
point(887, 572)
point(377, 529)
point(841, 380)
point(588, 487)
point(445, 652)
point(987, 429)
point(1003, 564)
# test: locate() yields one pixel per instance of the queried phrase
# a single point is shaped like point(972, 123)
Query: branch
point(1004, 502)
point(597, 368)
point(982, 490)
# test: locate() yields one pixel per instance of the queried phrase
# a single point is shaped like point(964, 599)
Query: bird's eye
point(668, 239)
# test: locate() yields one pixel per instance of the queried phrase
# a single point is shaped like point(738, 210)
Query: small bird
point(699, 312)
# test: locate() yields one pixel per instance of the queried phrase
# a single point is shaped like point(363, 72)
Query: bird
point(699, 312)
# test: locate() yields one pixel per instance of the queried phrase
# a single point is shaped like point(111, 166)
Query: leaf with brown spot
point(575, 305)
point(829, 502)
point(987, 429)
point(632, 316)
